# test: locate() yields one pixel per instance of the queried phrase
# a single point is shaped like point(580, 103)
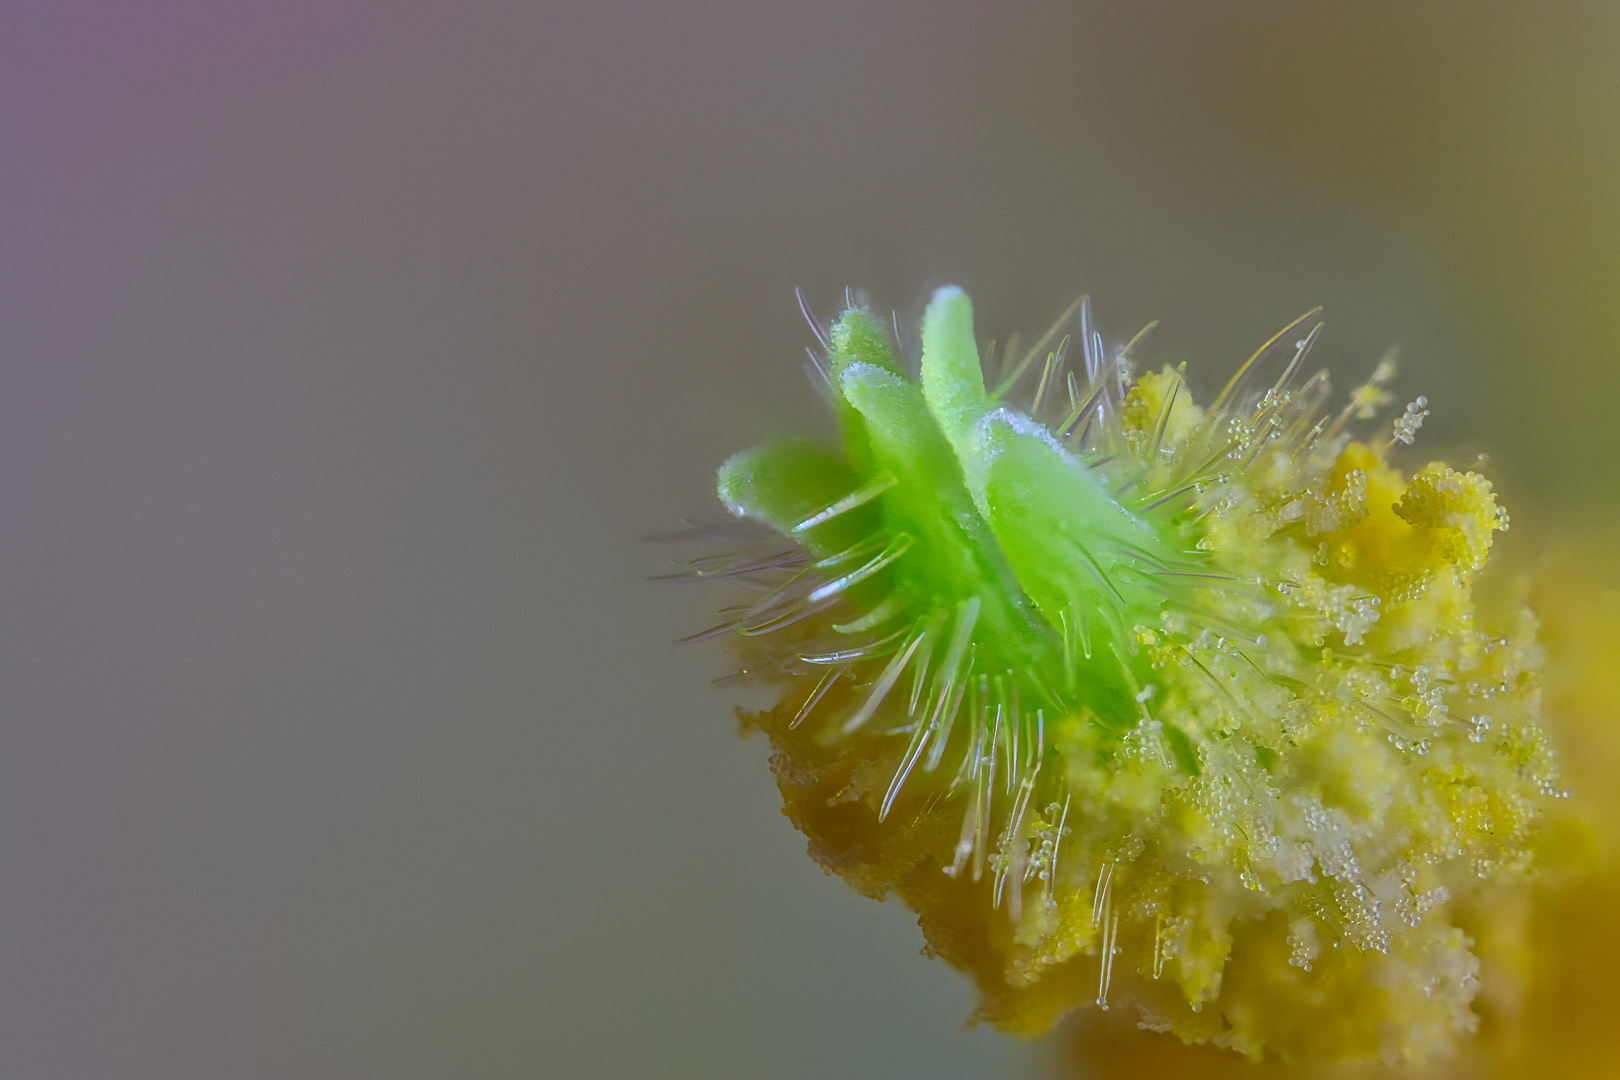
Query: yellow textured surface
point(1548, 955)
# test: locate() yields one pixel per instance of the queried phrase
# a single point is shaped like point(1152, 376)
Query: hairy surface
point(1141, 702)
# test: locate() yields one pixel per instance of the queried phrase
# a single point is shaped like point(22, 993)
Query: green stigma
point(1134, 700)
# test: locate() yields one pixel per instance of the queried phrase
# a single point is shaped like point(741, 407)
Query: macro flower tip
point(1138, 701)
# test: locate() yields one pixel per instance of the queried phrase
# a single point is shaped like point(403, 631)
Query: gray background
point(346, 350)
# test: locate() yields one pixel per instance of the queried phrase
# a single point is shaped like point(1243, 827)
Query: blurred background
point(348, 349)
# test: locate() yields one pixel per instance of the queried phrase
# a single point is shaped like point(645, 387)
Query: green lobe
point(784, 483)
point(952, 380)
point(858, 337)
